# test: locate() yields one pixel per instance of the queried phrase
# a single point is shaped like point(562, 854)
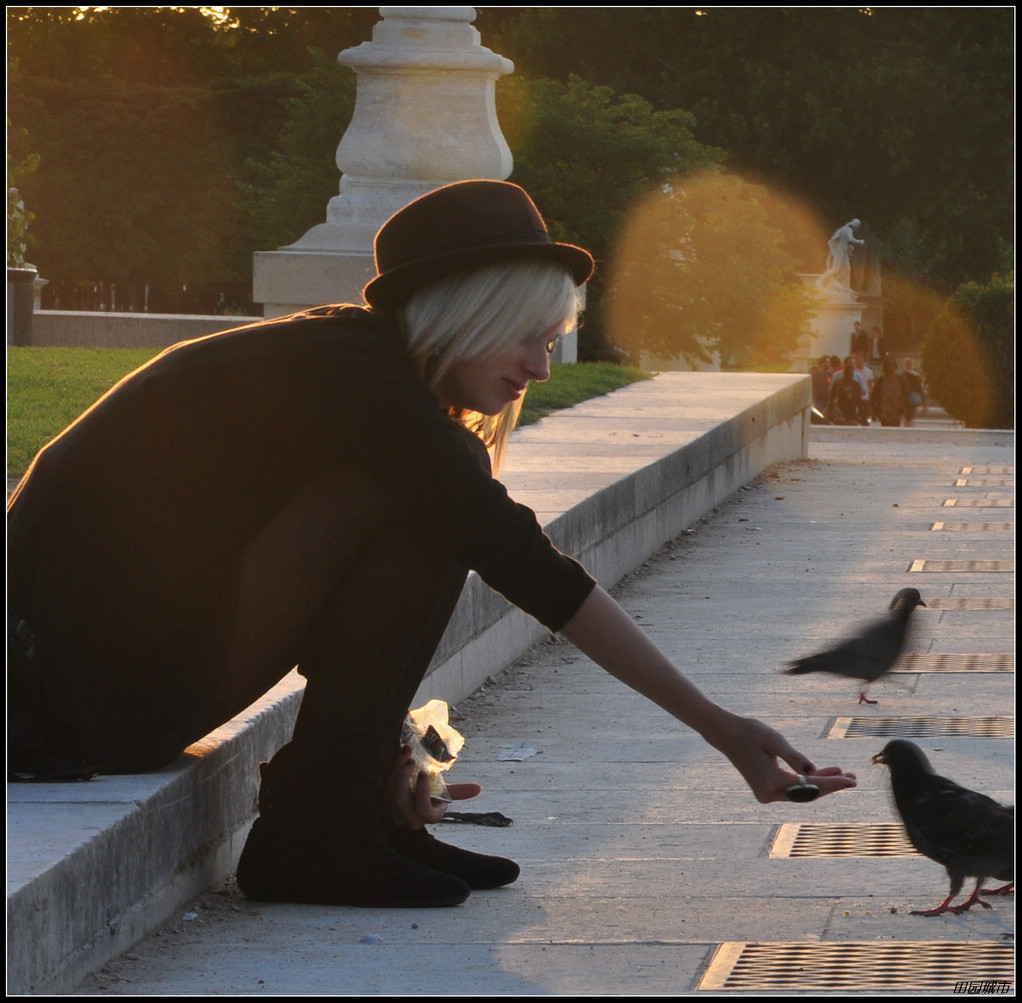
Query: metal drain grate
point(834, 839)
point(979, 503)
point(971, 602)
point(966, 471)
point(951, 527)
point(965, 482)
point(922, 727)
point(982, 566)
point(955, 662)
point(899, 965)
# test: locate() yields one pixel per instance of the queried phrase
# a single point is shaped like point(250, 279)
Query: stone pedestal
point(832, 322)
point(21, 304)
point(424, 116)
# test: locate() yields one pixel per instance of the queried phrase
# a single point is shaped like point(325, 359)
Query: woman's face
point(487, 384)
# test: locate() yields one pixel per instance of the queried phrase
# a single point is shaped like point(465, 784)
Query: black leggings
point(334, 583)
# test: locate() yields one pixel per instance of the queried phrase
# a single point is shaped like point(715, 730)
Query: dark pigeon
point(970, 834)
point(870, 654)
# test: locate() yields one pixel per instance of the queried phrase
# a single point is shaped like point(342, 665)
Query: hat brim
point(395, 286)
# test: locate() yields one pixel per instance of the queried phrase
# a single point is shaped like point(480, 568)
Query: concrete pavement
point(648, 868)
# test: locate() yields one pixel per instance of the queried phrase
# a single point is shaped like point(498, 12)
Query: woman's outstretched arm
point(602, 630)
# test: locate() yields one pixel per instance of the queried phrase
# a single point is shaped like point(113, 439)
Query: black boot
point(317, 842)
point(477, 870)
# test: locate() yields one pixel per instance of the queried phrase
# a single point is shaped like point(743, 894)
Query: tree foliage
point(901, 116)
point(173, 144)
point(283, 188)
point(587, 152)
point(131, 188)
point(703, 270)
point(586, 155)
point(969, 355)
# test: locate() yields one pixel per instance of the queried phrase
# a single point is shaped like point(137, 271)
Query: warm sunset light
point(219, 15)
point(709, 267)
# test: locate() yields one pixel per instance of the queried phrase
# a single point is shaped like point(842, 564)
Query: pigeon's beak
point(900, 604)
point(880, 757)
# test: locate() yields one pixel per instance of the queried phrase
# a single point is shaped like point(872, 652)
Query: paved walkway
point(647, 867)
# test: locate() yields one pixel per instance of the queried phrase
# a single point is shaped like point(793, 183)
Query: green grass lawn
point(571, 383)
point(47, 388)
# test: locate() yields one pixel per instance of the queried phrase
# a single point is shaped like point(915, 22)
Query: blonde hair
point(480, 313)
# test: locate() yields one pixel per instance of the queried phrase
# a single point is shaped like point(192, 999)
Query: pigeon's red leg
point(972, 900)
point(944, 907)
point(865, 699)
point(1008, 889)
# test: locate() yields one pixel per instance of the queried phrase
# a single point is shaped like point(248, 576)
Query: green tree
point(284, 187)
point(134, 186)
point(969, 356)
point(703, 270)
point(180, 45)
point(175, 144)
point(586, 155)
point(902, 116)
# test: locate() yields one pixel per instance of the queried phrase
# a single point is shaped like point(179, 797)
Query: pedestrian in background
point(890, 400)
point(916, 396)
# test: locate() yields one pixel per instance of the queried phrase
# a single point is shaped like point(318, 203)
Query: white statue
point(841, 245)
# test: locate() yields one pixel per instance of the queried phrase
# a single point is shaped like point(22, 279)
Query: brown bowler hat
point(463, 226)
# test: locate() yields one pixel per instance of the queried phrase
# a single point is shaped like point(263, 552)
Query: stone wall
point(94, 329)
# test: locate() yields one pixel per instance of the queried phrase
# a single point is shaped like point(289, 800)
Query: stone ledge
point(94, 867)
point(99, 329)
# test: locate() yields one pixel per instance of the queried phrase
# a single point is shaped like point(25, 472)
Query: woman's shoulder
point(344, 320)
point(343, 325)
point(321, 332)
point(304, 353)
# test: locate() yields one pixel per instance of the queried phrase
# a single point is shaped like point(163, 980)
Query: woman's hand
point(608, 635)
point(413, 809)
point(755, 748)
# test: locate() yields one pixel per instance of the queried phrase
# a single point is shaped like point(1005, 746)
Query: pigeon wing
point(968, 832)
point(867, 655)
